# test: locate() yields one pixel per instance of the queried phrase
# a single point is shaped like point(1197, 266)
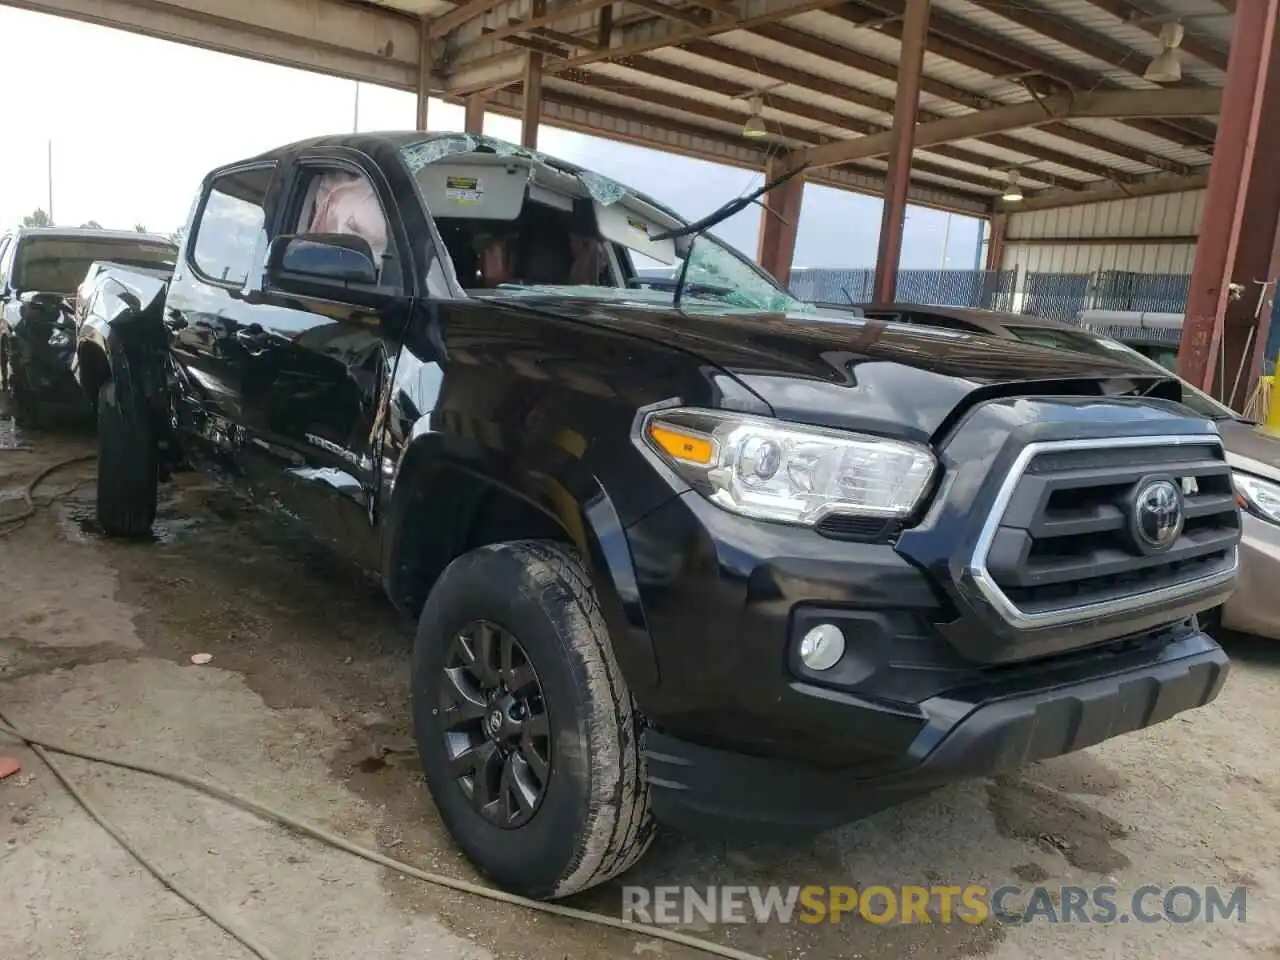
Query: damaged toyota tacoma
point(685, 550)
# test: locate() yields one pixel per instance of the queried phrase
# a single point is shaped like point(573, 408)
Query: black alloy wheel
point(497, 734)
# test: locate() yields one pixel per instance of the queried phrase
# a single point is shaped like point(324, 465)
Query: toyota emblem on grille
point(1157, 515)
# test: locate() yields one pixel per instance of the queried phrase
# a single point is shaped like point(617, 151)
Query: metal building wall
point(1108, 236)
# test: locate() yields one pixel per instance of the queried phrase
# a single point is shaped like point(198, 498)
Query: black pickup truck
point(688, 549)
point(41, 270)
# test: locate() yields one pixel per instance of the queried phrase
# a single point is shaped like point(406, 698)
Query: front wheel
point(127, 464)
point(525, 727)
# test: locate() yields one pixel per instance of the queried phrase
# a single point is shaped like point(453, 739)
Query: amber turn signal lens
point(681, 445)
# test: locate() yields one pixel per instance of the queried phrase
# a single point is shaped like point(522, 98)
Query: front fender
point(121, 338)
point(562, 490)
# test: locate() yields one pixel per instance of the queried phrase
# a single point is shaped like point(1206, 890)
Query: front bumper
point(1255, 605)
point(741, 735)
point(967, 733)
point(44, 370)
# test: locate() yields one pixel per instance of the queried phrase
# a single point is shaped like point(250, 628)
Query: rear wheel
point(525, 727)
point(127, 469)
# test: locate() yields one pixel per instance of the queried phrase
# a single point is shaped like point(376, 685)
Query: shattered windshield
point(736, 280)
point(519, 223)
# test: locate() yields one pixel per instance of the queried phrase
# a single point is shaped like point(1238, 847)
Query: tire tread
point(127, 469)
point(623, 812)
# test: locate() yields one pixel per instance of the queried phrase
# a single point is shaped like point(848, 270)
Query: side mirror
point(326, 265)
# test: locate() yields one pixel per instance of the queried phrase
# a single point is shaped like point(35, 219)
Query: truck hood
point(861, 374)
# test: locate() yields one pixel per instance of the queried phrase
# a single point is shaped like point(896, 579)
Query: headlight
point(773, 470)
point(1259, 496)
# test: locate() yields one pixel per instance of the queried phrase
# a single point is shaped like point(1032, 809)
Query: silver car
point(1254, 456)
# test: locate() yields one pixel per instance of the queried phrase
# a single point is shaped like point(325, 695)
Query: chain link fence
point(1058, 296)
point(989, 289)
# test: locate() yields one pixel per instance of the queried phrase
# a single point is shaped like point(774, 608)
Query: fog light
point(822, 647)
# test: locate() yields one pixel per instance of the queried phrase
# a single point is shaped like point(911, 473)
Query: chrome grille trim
point(977, 567)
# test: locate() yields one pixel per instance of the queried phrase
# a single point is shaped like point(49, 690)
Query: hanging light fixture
point(754, 128)
point(1012, 191)
point(1167, 66)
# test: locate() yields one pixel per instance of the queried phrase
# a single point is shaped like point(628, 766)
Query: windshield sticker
point(463, 190)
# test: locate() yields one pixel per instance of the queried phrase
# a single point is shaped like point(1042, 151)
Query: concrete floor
point(303, 706)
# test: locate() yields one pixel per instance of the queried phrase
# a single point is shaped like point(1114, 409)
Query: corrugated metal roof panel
point(1210, 18)
point(625, 82)
point(874, 43)
point(712, 125)
point(1016, 33)
point(998, 166)
point(1115, 130)
point(1084, 15)
point(1051, 141)
point(755, 81)
point(772, 50)
point(922, 177)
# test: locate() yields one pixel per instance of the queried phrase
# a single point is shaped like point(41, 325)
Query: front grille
point(1061, 543)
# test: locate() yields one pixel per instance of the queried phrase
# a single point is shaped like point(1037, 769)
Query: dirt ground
point(304, 707)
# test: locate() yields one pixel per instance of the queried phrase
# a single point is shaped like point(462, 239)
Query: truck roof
point(91, 233)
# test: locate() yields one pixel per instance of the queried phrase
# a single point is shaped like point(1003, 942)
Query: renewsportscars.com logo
point(972, 904)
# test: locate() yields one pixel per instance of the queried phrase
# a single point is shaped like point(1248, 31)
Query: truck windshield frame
point(715, 265)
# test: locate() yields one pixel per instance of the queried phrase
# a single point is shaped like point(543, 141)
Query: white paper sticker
point(463, 190)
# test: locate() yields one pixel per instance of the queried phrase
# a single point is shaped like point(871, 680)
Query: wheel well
point(95, 370)
point(451, 513)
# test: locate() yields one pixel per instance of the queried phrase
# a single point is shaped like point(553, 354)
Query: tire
point(127, 469)
point(592, 819)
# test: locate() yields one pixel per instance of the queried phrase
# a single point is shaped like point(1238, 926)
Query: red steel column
point(474, 122)
point(531, 112)
point(995, 242)
point(1238, 190)
point(424, 72)
point(915, 28)
point(1257, 262)
point(779, 221)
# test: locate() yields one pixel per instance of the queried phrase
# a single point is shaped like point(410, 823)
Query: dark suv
point(688, 548)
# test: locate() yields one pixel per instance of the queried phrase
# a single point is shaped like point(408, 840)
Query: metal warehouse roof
point(681, 76)
point(827, 71)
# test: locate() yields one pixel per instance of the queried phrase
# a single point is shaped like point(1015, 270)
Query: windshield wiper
point(724, 212)
point(670, 283)
point(719, 215)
